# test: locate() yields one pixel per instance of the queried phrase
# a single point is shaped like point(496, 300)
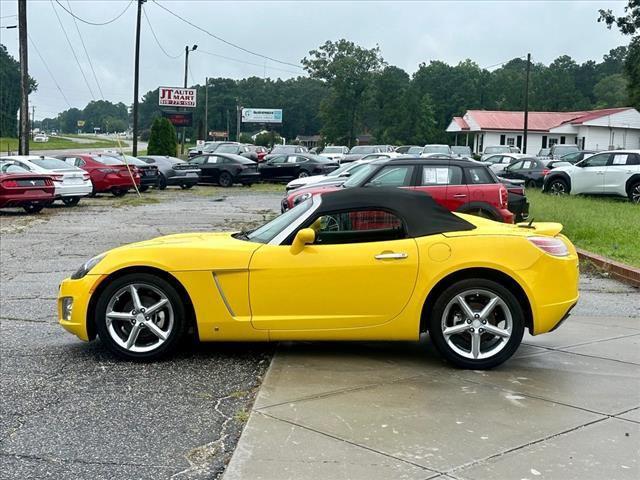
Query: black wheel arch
point(487, 207)
point(184, 295)
point(555, 175)
point(486, 273)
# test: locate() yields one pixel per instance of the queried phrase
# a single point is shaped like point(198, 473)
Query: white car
point(615, 172)
point(40, 138)
point(71, 183)
point(334, 152)
point(494, 150)
point(497, 163)
point(436, 148)
point(345, 170)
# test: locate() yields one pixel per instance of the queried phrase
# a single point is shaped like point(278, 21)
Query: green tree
point(611, 91)
point(10, 93)
point(632, 71)
point(268, 139)
point(162, 140)
point(346, 68)
point(628, 24)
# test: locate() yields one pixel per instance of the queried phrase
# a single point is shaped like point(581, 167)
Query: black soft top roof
point(421, 214)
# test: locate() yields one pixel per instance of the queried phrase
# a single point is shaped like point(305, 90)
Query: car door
point(444, 184)
point(360, 272)
point(618, 170)
point(588, 176)
point(515, 170)
point(271, 168)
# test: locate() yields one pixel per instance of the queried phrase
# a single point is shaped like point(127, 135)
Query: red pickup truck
point(458, 185)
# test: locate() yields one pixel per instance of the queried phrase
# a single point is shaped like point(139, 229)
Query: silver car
point(173, 171)
point(71, 183)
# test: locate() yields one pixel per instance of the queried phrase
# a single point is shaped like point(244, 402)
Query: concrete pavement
point(567, 406)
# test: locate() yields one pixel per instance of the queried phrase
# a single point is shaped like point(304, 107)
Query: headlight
point(87, 266)
point(67, 307)
point(301, 198)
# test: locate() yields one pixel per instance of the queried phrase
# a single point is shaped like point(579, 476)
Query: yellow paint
point(334, 292)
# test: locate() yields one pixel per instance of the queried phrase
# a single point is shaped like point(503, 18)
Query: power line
point(50, 73)
point(95, 77)
point(95, 23)
point(223, 40)
point(144, 11)
point(502, 63)
point(245, 62)
point(72, 50)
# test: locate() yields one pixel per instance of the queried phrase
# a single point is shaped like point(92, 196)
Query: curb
point(620, 271)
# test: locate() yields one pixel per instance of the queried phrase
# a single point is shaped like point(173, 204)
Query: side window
point(212, 160)
point(633, 159)
point(516, 166)
point(441, 175)
point(623, 159)
point(392, 176)
point(26, 167)
point(599, 160)
point(479, 176)
point(79, 162)
point(198, 160)
point(527, 165)
point(279, 160)
point(293, 159)
point(358, 226)
point(70, 160)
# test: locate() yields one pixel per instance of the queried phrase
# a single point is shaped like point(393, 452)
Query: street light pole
point(186, 70)
point(23, 145)
point(526, 106)
point(136, 76)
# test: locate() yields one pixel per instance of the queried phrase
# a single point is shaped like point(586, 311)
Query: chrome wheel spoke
point(135, 299)
point(463, 327)
point(125, 316)
point(488, 309)
point(497, 331)
point(133, 336)
point(157, 331)
point(475, 345)
point(466, 309)
point(157, 306)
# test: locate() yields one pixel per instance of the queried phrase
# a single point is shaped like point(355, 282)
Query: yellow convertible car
point(359, 264)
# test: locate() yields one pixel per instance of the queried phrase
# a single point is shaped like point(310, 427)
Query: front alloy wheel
point(140, 316)
point(558, 187)
point(477, 324)
point(634, 193)
point(303, 174)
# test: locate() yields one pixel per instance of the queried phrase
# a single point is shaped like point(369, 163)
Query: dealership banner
point(177, 97)
point(179, 119)
point(262, 115)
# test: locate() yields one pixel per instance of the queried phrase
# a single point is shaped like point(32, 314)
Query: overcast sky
point(408, 33)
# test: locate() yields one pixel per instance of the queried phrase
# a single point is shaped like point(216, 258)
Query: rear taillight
point(57, 178)
point(108, 170)
point(551, 245)
point(9, 183)
point(504, 197)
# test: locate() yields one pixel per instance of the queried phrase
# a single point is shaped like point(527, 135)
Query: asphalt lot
point(70, 410)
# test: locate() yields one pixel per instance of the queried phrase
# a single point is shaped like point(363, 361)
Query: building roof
point(477, 120)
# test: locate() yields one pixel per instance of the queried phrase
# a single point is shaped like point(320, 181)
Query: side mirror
point(304, 237)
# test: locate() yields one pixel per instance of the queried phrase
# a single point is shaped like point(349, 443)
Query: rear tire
point(473, 341)
point(143, 188)
point(530, 184)
point(169, 320)
point(558, 186)
point(70, 201)
point(119, 192)
point(634, 193)
point(225, 180)
point(303, 174)
point(33, 208)
point(162, 183)
point(186, 186)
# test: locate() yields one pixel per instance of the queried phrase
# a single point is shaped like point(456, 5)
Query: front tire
point(634, 193)
point(558, 186)
point(143, 188)
point(303, 174)
point(70, 201)
point(186, 186)
point(476, 324)
point(225, 180)
point(33, 208)
point(140, 317)
point(162, 183)
point(119, 192)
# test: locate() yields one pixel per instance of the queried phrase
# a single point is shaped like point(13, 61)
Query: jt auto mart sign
point(177, 97)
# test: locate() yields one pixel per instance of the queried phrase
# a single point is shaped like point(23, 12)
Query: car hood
point(181, 252)
point(350, 157)
point(300, 182)
point(564, 168)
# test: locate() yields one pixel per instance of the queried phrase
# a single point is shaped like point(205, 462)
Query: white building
point(591, 130)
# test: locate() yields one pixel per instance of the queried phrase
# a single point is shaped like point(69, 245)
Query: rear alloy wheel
point(140, 317)
point(33, 207)
point(558, 187)
point(225, 179)
point(477, 324)
point(119, 192)
point(303, 174)
point(634, 193)
point(70, 201)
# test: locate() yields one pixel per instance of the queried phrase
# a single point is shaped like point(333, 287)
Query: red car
point(108, 174)
point(21, 188)
point(459, 185)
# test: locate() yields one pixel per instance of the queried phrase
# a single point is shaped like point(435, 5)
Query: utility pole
point(186, 69)
point(238, 110)
point(23, 144)
point(228, 126)
point(526, 105)
point(136, 77)
point(206, 108)
point(33, 115)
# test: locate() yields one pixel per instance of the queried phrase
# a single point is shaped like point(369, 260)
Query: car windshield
point(415, 150)
point(436, 149)
point(228, 148)
point(490, 150)
point(51, 163)
point(564, 149)
point(463, 150)
point(543, 152)
point(356, 178)
point(284, 149)
point(364, 149)
point(332, 150)
point(107, 160)
point(270, 230)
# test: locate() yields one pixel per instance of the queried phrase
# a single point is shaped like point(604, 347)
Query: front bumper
point(80, 292)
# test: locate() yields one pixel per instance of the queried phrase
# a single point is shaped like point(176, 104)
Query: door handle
point(391, 256)
point(459, 195)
